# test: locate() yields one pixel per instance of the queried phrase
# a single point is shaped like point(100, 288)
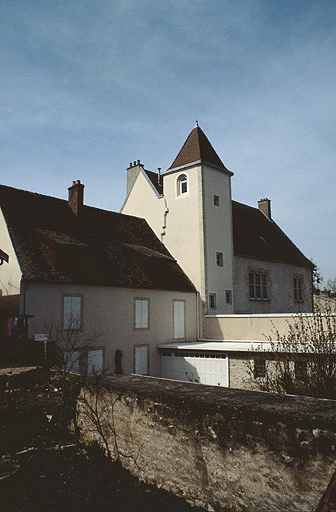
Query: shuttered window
point(141, 360)
point(258, 286)
point(141, 313)
point(179, 327)
point(72, 312)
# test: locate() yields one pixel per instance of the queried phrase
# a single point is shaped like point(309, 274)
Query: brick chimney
point(76, 196)
point(265, 206)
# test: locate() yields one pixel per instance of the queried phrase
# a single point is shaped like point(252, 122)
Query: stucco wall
point(218, 235)
point(280, 287)
point(144, 202)
point(223, 449)
point(10, 273)
point(111, 310)
point(258, 327)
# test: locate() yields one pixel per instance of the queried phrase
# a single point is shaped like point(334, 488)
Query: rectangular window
point(141, 313)
point(71, 360)
point(72, 312)
point(219, 259)
point(141, 356)
point(228, 297)
point(179, 319)
point(258, 286)
point(259, 368)
point(216, 200)
point(298, 287)
point(212, 301)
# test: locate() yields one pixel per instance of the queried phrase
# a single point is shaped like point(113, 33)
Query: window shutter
point(179, 319)
point(141, 360)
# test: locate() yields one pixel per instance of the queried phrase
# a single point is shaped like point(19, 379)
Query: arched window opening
point(182, 185)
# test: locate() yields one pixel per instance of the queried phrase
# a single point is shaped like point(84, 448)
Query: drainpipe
point(197, 315)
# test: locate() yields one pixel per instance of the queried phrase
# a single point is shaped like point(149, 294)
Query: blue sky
point(88, 86)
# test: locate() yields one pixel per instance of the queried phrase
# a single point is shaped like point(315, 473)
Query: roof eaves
point(173, 169)
point(223, 169)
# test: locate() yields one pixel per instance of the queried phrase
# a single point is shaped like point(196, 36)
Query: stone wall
point(223, 449)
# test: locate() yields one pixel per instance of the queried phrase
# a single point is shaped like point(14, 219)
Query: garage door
point(212, 369)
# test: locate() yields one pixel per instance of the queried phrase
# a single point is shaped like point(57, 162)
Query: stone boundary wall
point(219, 448)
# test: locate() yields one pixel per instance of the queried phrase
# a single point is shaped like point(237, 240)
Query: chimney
point(132, 173)
point(265, 206)
point(76, 196)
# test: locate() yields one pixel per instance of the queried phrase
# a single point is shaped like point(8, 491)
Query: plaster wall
point(280, 287)
point(257, 327)
point(10, 273)
point(218, 235)
point(222, 449)
point(143, 201)
point(111, 311)
point(184, 225)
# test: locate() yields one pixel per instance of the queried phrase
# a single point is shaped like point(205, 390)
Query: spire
point(197, 147)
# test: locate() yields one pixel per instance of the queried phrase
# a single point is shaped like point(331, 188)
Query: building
point(98, 281)
point(237, 257)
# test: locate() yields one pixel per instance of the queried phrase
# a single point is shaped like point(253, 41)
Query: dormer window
point(182, 185)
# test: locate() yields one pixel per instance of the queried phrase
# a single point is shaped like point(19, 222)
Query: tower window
point(182, 184)
point(212, 301)
point(228, 296)
point(219, 259)
point(216, 201)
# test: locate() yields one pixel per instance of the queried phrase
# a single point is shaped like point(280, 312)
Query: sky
point(89, 86)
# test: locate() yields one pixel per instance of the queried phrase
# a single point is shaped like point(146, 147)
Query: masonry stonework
point(224, 449)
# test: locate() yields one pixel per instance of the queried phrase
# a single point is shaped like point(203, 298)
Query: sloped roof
point(197, 147)
point(153, 176)
point(255, 236)
point(96, 247)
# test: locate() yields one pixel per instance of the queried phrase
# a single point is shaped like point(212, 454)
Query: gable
point(10, 272)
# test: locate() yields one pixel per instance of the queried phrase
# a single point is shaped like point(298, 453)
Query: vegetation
point(303, 361)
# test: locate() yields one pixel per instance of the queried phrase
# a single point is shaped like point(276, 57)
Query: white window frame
point(258, 282)
point(179, 319)
point(141, 313)
point(219, 259)
point(298, 288)
point(212, 302)
point(182, 183)
point(71, 320)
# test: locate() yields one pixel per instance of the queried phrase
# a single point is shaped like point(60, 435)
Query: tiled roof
point(197, 147)
point(255, 236)
point(96, 247)
point(153, 176)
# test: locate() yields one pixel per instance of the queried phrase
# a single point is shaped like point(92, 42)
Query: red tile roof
point(96, 247)
point(197, 147)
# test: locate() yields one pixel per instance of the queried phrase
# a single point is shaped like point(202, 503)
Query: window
point(179, 319)
point(298, 287)
point(216, 200)
point(141, 313)
point(72, 312)
point(182, 184)
point(219, 259)
point(71, 360)
point(141, 356)
point(228, 297)
point(258, 286)
point(212, 301)
point(259, 368)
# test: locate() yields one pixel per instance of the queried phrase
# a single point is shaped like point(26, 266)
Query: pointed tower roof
point(197, 148)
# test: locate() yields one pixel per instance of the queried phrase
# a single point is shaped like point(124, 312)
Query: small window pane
point(228, 296)
point(212, 301)
point(216, 200)
point(219, 259)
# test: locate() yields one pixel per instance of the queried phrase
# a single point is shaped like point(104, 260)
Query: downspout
point(198, 319)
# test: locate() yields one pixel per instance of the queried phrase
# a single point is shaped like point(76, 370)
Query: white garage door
point(212, 369)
